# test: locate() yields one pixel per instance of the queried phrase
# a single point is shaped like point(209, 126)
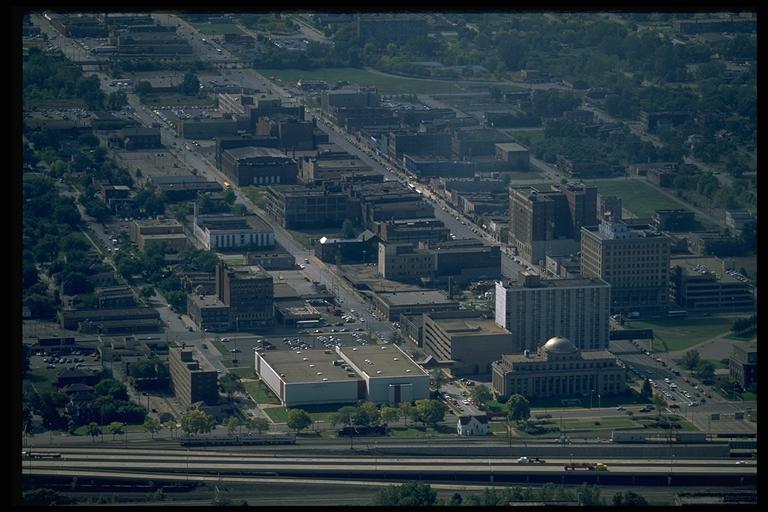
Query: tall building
point(193, 379)
point(743, 365)
point(634, 261)
point(249, 293)
point(534, 310)
point(548, 223)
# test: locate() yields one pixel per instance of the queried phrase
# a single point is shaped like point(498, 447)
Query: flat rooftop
point(207, 301)
point(469, 326)
point(256, 152)
point(233, 223)
point(249, 272)
point(556, 283)
point(405, 298)
point(157, 222)
point(703, 266)
point(511, 146)
point(309, 366)
point(590, 355)
point(387, 359)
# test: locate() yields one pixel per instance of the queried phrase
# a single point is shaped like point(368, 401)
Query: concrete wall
point(331, 392)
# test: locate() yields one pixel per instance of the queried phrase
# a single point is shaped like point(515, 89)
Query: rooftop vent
point(324, 379)
point(319, 373)
point(383, 348)
point(395, 359)
point(305, 359)
point(407, 371)
point(354, 348)
point(378, 372)
point(311, 366)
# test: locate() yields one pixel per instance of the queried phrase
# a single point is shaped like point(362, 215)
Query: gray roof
point(308, 366)
point(387, 359)
point(464, 420)
point(255, 152)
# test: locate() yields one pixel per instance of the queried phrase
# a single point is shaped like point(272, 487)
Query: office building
point(534, 309)
point(405, 262)
point(249, 292)
point(208, 312)
point(558, 368)
point(469, 345)
point(194, 380)
point(393, 304)
point(229, 232)
point(300, 207)
point(514, 155)
point(548, 223)
point(362, 249)
point(703, 284)
point(743, 365)
point(634, 261)
point(252, 165)
point(412, 231)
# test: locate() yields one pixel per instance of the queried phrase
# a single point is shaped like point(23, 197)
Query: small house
point(473, 426)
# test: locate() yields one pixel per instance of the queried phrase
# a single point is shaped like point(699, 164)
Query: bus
point(307, 323)
point(677, 313)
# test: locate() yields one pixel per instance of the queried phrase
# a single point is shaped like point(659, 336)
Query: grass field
point(217, 29)
point(636, 196)
point(246, 372)
point(748, 263)
point(316, 412)
point(417, 431)
point(681, 334)
point(42, 379)
point(384, 84)
point(256, 195)
point(517, 176)
point(260, 393)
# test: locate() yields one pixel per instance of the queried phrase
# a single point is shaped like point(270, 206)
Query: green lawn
point(418, 431)
point(316, 412)
point(384, 84)
point(255, 194)
point(260, 392)
point(680, 334)
point(243, 372)
point(42, 379)
point(517, 176)
point(217, 29)
point(748, 263)
point(636, 196)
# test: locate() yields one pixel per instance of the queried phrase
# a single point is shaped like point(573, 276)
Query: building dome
point(560, 345)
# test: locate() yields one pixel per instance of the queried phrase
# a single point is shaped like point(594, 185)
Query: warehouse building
point(389, 374)
point(253, 165)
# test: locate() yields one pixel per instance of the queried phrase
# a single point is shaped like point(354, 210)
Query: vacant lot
point(681, 334)
point(385, 84)
point(636, 196)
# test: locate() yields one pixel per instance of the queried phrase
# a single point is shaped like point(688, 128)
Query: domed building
point(558, 368)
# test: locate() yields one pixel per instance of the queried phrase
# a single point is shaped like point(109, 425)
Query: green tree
point(142, 88)
point(430, 412)
point(197, 422)
point(629, 499)
point(230, 384)
point(455, 500)
point(481, 394)
point(239, 209)
point(94, 430)
point(409, 494)
point(390, 414)
point(152, 425)
point(691, 359)
point(116, 428)
point(407, 411)
point(438, 377)
point(589, 495)
point(147, 292)
point(518, 408)
point(191, 85)
point(646, 390)
point(117, 100)
point(298, 419)
point(232, 425)
point(366, 414)
point(348, 228)
point(343, 416)
point(259, 424)
point(705, 371)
